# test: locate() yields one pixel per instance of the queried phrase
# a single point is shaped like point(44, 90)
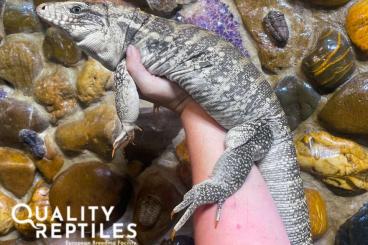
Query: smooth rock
point(91, 184)
point(297, 98)
point(179, 240)
point(273, 58)
point(6, 221)
point(20, 16)
point(58, 47)
point(156, 198)
point(357, 24)
point(328, 3)
point(94, 132)
point(17, 171)
point(330, 63)
point(56, 93)
point(33, 141)
point(317, 213)
point(158, 131)
point(339, 163)
point(16, 115)
point(39, 200)
point(91, 81)
point(355, 230)
point(346, 111)
point(50, 167)
point(20, 63)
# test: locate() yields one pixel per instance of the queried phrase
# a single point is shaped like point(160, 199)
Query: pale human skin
point(250, 215)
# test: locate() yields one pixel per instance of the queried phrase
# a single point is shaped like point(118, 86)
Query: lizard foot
point(125, 137)
point(206, 192)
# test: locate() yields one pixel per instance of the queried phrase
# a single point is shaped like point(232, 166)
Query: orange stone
point(317, 213)
point(357, 24)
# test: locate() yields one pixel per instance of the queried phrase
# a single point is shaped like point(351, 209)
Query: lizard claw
point(125, 137)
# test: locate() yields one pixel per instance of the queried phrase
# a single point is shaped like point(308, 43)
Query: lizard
point(227, 85)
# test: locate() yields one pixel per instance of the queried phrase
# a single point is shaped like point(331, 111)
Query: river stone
point(2, 30)
point(56, 93)
point(91, 81)
point(330, 63)
point(156, 198)
point(273, 58)
point(34, 142)
point(39, 200)
point(58, 47)
point(20, 16)
point(17, 171)
point(95, 131)
point(357, 24)
point(6, 221)
point(339, 163)
point(16, 115)
point(355, 230)
point(20, 63)
point(298, 99)
point(346, 111)
point(317, 213)
point(159, 128)
point(50, 167)
point(91, 184)
point(328, 3)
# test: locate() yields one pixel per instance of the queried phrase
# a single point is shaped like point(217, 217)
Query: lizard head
point(93, 26)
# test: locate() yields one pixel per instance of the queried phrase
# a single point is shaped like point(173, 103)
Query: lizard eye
point(76, 10)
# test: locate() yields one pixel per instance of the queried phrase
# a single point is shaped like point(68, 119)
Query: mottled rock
point(39, 200)
point(179, 240)
point(330, 63)
point(91, 184)
point(20, 63)
point(346, 111)
point(92, 81)
point(298, 99)
point(33, 141)
point(6, 221)
point(50, 167)
point(339, 163)
point(276, 27)
point(20, 16)
point(17, 171)
point(273, 58)
point(56, 93)
point(16, 115)
point(94, 132)
point(156, 198)
point(317, 213)
point(357, 24)
point(58, 47)
point(328, 3)
point(158, 131)
point(355, 230)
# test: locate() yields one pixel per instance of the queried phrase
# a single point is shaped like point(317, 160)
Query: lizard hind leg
point(229, 172)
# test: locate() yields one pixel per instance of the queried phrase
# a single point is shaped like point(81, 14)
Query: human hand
point(157, 90)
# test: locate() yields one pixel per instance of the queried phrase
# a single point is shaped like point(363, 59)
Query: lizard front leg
point(127, 105)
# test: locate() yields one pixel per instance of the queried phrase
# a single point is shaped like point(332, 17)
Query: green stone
point(58, 47)
point(20, 16)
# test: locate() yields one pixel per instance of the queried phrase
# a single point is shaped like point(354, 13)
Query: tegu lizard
point(218, 77)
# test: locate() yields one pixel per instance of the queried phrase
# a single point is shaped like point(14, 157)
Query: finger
point(136, 69)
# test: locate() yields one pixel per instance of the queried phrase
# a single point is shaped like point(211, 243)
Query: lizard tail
point(282, 175)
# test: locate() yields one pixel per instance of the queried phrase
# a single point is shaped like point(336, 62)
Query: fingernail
point(130, 50)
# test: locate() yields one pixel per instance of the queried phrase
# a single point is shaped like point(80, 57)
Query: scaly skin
point(226, 84)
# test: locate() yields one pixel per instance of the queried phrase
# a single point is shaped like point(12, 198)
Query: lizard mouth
point(48, 13)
